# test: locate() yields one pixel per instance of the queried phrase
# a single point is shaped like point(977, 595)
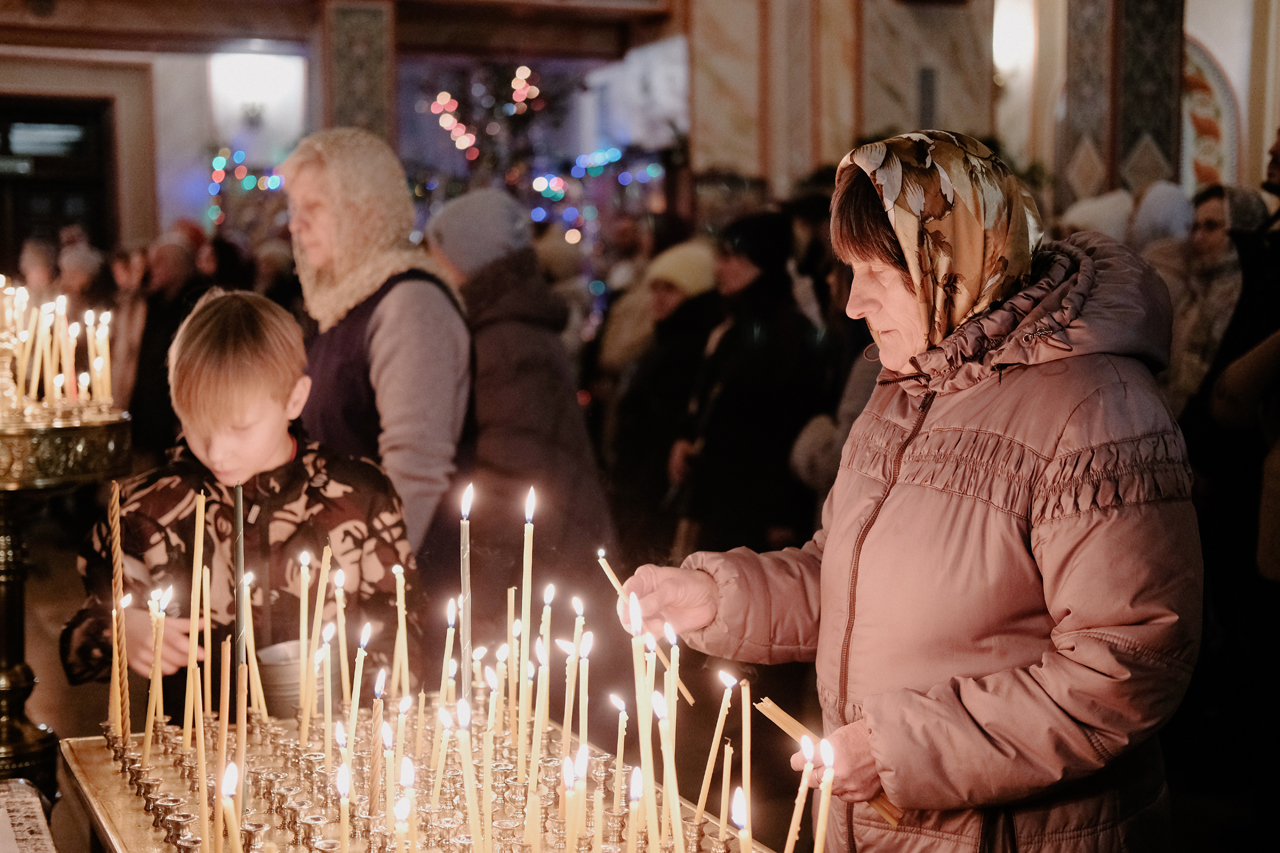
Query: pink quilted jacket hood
point(1007, 583)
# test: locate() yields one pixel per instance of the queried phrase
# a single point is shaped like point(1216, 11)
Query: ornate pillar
point(1123, 124)
point(359, 62)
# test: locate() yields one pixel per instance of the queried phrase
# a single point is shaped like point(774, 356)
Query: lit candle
point(588, 640)
point(453, 671)
point(504, 652)
point(512, 687)
point(400, 662)
point(304, 593)
point(379, 685)
point(230, 785)
point(242, 728)
point(205, 600)
point(468, 771)
point(633, 813)
point(477, 674)
point(724, 792)
point(486, 788)
point(328, 698)
point(824, 791)
point(670, 786)
point(526, 591)
point(193, 635)
point(617, 758)
point(544, 627)
point(74, 392)
point(402, 824)
point(340, 596)
point(46, 350)
point(672, 676)
point(257, 699)
point(85, 396)
point(539, 724)
point(608, 571)
point(224, 716)
point(746, 751)
point(113, 697)
point(405, 704)
point(597, 818)
point(741, 817)
point(104, 352)
point(420, 727)
point(729, 684)
point(388, 758)
point(443, 726)
point(343, 786)
point(406, 796)
point(806, 747)
point(464, 600)
point(59, 382)
point(644, 720)
point(571, 678)
point(451, 615)
point(354, 710)
point(90, 349)
point(155, 705)
point(309, 696)
point(569, 802)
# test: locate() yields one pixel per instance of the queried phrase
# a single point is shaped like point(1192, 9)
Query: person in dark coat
point(654, 398)
point(759, 383)
point(529, 427)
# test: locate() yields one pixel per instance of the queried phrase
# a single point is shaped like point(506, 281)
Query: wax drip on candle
point(365, 634)
point(343, 782)
point(739, 810)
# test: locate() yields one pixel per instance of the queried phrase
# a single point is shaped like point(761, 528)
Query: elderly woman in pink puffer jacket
point(1003, 602)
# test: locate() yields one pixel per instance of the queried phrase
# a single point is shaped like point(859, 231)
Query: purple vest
point(342, 411)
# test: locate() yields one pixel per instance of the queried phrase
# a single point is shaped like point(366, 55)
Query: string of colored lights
point(226, 161)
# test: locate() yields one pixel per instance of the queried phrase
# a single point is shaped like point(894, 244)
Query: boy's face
point(254, 440)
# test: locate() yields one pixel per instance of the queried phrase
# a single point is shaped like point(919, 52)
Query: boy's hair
point(232, 346)
point(859, 225)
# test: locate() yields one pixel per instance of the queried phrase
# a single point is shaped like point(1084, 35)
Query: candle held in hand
point(824, 793)
point(793, 833)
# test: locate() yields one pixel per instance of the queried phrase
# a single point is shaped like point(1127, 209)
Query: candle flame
point(380, 684)
point(126, 601)
point(541, 651)
point(491, 678)
point(806, 747)
point(549, 595)
point(397, 570)
point(618, 703)
point(304, 559)
point(739, 810)
point(728, 680)
point(453, 668)
point(588, 640)
point(446, 720)
point(328, 632)
point(88, 317)
point(229, 780)
point(504, 651)
point(340, 734)
point(516, 628)
point(106, 317)
point(343, 782)
point(670, 634)
point(59, 380)
point(60, 304)
point(636, 619)
point(478, 654)
point(319, 658)
point(636, 789)
point(659, 705)
point(365, 633)
point(464, 714)
point(74, 330)
point(650, 644)
point(828, 753)
point(248, 579)
point(600, 554)
point(388, 740)
point(406, 703)
point(97, 362)
point(406, 772)
point(166, 598)
point(84, 378)
point(451, 612)
point(565, 646)
point(568, 774)
point(580, 765)
point(529, 504)
point(339, 579)
point(528, 666)
point(467, 497)
point(577, 606)
point(402, 810)
point(155, 594)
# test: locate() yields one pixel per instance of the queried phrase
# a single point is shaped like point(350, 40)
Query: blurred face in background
point(1209, 237)
point(734, 273)
point(311, 216)
point(664, 299)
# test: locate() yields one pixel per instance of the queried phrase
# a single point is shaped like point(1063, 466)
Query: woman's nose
point(860, 303)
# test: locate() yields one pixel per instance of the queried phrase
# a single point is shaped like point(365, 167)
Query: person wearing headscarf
point(654, 397)
point(391, 366)
point(1004, 600)
point(757, 384)
point(1160, 211)
point(1204, 279)
point(529, 429)
point(1108, 214)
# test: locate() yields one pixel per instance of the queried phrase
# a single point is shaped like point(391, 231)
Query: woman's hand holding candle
point(856, 778)
point(687, 598)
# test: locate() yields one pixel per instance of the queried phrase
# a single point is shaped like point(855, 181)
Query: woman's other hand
point(173, 647)
point(856, 779)
point(686, 598)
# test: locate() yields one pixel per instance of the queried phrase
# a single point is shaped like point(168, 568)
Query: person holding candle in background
point(238, 382)
point(1004, 599)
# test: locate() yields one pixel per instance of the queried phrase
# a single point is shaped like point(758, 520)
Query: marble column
point(358, 55)
point(1123, 122)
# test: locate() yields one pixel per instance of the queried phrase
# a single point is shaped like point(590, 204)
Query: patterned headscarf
point(966, 224)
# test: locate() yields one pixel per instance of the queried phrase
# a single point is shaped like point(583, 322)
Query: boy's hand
point(173, 647)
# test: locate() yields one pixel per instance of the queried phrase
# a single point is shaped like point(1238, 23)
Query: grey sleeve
point(420, 368)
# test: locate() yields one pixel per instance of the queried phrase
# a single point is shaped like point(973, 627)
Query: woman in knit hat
point(654, 398)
